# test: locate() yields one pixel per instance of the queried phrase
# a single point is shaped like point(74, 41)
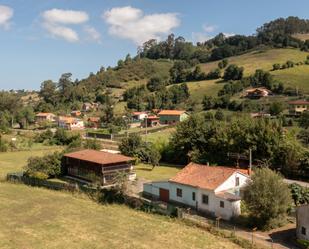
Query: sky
point(41, 39)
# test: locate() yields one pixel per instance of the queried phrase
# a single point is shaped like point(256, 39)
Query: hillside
point(261, 59)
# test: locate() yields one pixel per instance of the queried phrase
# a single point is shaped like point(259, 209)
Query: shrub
point(49, 165)
point(267, 198)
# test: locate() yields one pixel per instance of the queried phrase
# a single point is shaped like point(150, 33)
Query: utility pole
point(146, 124)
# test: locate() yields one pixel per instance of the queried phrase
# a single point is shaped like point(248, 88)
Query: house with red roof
point(96, 167)
point(170, 117)
point(214, 190)
point(297, 107)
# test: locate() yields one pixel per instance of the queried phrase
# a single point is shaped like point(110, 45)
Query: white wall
point(153, 187)
point(186, 194)
point(230, 183)
point(302, 221)
point(230, 209)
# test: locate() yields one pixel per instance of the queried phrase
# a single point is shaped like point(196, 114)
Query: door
point(164, 194)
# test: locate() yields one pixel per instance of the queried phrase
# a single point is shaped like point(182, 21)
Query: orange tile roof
point(44, 114)
point(299, 102)
point(99, 157)
point(206, 177)
point(94, 119)
point(171, 112)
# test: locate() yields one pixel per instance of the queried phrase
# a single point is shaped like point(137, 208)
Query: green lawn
point(201, 88)
point(162, 172)
point(14, 161)
point(297, 76)
point(160, 136)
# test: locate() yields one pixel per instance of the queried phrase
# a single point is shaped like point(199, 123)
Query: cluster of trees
point(174, 49)
point(289, 64)
point(142, 98)
point(134, 146)
point(300, 194)
point(201, 140)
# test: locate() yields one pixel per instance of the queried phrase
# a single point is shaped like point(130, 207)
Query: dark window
point(179, 192)
point(222, 204)
point(237, 181)
point(193, 196)
point(205, 199)
point(303, 231)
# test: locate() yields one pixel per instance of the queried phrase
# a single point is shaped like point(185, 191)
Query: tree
point(267, 198)
point(276, 66)
point(44, 167)
point(48, 92)
point(304, 120)
point(155, 84)
point(222, 64)
point(25, 116)
point(300, 194)
point(219, 115)
point(130, 145)
point(208, 103)
point(276, 108)
point(233, 72)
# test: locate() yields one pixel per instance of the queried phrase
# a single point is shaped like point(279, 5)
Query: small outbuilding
point(96, 166)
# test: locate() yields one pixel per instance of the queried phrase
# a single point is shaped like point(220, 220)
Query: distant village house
point(213, 190)
point(45, 117)
point(256, 93)
point(139, 116)
point(297, 107)
point(170, 117)
point(94, 122)
point(151, 121)
point(76, 113)
point(97, 167)
point(71, 123)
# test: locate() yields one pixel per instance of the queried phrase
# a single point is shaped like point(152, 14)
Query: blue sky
point(41, 39)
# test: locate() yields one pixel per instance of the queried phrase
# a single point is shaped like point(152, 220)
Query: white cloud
point(200, 37)
point(55, 21)
point(131, 23)
point(65, 16)
point(209, 28)
point(6, 13)
point(228, 34)
point(63, 32)
point(93, 34)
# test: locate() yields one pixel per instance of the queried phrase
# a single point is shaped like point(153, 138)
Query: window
point(303, 231)
point(205, 199)
point(179, 192)
point(222, 204)
point(237, 181)
point(193, 196)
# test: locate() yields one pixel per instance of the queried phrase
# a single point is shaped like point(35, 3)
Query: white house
point(139, 115)
point(71, 123)
point(302, 228)
point(45, 117)
point(214, 190)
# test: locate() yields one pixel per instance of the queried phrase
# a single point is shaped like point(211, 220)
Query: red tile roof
point(171, 112)
point(206, 177)
point(44, 114)
point(299, 102)
point(99, 157)
point(94, 119)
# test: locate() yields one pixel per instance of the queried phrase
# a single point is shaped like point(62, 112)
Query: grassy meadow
point(14, 161)
point(261, 59)
point(162, 172)
point(36, 218)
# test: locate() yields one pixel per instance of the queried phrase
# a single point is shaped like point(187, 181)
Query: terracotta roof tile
point(299, 102)
point(171, 112)
point(206, 177)
point(99, 157)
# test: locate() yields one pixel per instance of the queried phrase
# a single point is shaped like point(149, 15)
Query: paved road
point(301, 183)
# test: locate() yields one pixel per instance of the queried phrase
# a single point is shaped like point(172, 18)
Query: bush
point(46, 166)
point(267, 198)
point(233, 72)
